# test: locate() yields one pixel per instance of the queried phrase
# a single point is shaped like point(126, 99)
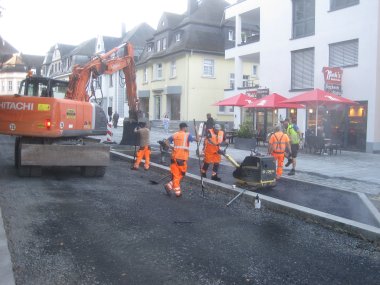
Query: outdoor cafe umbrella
point(238, 100)
point(319, 97)
point(273, 101)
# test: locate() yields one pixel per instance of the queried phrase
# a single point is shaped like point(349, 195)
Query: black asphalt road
point(120, 229)
point(340, 203)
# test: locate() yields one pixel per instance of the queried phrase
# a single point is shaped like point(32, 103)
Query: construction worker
point(214, 138)
point(277, 145)
point(144, 150)
point(180, 154)
point(294, 135)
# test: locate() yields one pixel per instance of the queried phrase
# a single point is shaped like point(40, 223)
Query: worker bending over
point(278, 143)
point(144, 150)
point(180, 155)
point(214, 138)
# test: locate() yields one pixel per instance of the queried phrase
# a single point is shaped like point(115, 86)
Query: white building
point(297, 38)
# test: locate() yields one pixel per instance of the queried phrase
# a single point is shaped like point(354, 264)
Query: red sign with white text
point(333, 75)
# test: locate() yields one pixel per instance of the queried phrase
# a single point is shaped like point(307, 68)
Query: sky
point(34, 26)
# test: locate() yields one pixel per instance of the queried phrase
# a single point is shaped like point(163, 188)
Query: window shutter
point(344, 53)
point(303, 69)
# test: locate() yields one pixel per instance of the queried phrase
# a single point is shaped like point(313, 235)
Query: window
point(232, 80)
point(2, 86)
point(149, 47)
point(254, 70)
point(158, 47)
point(302, 69)
point(208, 68)
point(164, 44)
point(340, 4)
point(10, 86)
point(303, 18)
point(226, 109)
point(245, 80)
point(230, 35)
point(111, 80)
point(344, 54)
point(98, 82)
point(157, 71)
point(145, 75)
point(173, 69)
point(178, 37)
point(18, 85)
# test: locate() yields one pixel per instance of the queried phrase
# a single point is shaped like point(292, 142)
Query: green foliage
point(246, 130)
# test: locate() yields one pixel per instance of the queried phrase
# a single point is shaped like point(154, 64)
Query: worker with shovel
point(180, 155)
point(214, 138)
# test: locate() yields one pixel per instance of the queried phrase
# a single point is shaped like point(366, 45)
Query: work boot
point(178, 194)
point(146, 168)
point(215, 177)
point(168, 189)
point(292, 172)
point(204, 175)
point(134, 168)
point(290, 161)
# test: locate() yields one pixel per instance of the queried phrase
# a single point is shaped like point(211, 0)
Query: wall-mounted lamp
point(311, 111)
point(275, 111)
point(292, 111)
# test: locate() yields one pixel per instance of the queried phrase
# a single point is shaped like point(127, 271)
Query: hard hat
point(217, 127)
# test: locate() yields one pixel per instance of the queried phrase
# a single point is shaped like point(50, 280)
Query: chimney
point(192, 5)
point(123, 30)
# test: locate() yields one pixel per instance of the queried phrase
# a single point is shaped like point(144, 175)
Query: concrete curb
point(6, 272)
point(364, 231)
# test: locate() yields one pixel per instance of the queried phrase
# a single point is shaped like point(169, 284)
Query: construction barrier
point(109, 133)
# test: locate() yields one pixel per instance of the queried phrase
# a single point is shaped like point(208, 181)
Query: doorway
point(174, 107)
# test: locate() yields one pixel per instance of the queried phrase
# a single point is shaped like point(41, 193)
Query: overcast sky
point(33, 26)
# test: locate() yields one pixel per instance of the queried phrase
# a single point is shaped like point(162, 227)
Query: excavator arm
point(107, 63)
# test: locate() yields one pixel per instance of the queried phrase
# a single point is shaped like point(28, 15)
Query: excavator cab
point(37, 86)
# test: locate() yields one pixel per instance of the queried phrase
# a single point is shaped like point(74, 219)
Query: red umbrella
point(319, 97)
point(274, 101)
point(238, 100)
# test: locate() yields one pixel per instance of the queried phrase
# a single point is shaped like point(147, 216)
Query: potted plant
point(244, 136)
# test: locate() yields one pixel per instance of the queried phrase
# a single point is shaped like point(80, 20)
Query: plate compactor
point(256, 170)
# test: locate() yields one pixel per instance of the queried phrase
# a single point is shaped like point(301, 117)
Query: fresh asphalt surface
point(120, 229)
point(340, 203)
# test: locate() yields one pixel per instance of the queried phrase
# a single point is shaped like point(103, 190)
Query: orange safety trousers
point(279, 157)
point(143, 152)
point(178, 168)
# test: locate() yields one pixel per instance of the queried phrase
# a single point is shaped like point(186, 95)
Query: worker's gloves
point(221, 152)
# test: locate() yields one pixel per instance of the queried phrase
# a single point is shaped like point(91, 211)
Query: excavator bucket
point(129, 136)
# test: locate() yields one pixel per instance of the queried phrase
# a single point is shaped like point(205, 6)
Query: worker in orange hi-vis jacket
point(180, 155)
point(144, 150)
point(277, 145)
point(214, 138)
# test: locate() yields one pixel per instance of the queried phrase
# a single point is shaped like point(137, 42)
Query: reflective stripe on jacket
point(216, 139)
point(278, 141)
point(181, 145)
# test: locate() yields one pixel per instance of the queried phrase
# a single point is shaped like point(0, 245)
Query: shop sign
point(333, 79)
point(262, 92)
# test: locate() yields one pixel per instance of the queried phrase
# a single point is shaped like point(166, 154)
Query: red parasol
point(274, 101)
point(239, 100)
point(319, 97)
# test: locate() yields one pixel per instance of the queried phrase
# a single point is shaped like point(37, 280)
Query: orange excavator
point(54, 121)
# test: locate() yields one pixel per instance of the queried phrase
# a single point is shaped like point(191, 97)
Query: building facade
point(297, 39)
point(182, 71)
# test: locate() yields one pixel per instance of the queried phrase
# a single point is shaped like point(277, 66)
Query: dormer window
point(149, 47)
point(178, 37)
point(163, 23)
point(158, 48)
point(164, 44)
